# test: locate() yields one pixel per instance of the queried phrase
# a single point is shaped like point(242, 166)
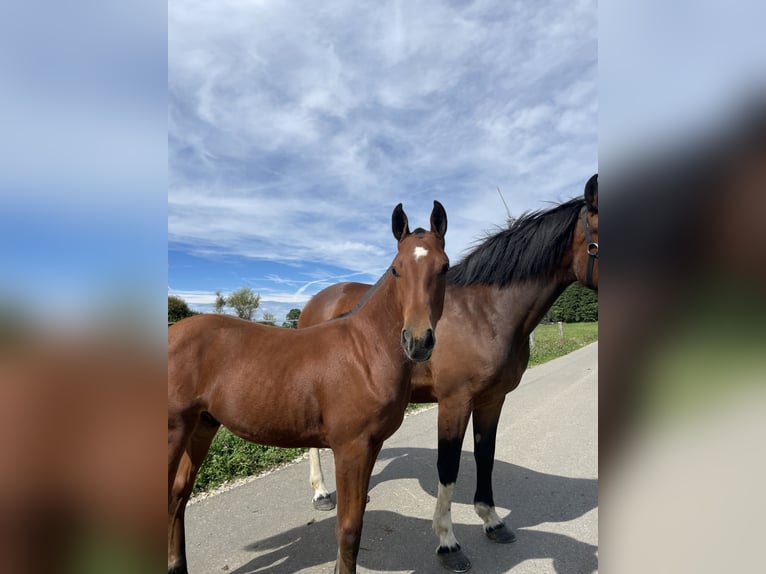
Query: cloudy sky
point(294, 128)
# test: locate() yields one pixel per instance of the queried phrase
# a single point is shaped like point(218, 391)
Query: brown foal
point(342, 385)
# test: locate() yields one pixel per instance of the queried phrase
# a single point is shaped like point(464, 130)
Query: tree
point(563, 308)
point(244, 302)
point(269, 319)
point(178, 309)
point(291, 321)
point(587, 305)
point(220, 302)
point(576, 304)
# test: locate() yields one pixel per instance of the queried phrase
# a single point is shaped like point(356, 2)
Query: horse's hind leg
point(176, 509)
point(322, 499)
point(353, 466)
point(191, 458)
point(485, 420)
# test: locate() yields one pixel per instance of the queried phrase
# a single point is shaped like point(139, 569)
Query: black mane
point(531, 247)
point(366, 296)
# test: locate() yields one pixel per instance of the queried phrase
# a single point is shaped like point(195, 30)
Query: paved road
point(546, 488)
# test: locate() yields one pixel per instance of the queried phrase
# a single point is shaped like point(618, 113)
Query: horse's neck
point(525, 303)
point(380, 318)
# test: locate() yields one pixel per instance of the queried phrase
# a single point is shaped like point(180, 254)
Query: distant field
point(231, 457)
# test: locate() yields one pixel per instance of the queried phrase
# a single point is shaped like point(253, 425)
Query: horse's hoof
point(178, 569)
point(500, 534)
point(453, 559)
point(323, 503)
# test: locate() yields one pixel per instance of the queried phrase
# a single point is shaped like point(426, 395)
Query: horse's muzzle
point(418, 349)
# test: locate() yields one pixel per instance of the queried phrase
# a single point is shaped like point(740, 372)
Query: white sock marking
point(487, 514)
point(315, 475)
point(442, 524)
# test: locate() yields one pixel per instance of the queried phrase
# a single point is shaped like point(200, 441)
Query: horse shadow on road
point(392, 542)
point(532, 496)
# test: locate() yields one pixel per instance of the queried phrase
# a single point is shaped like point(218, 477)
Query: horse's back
point(190, 340)
point(204, 340)
point(207, 347)
point(204, 321)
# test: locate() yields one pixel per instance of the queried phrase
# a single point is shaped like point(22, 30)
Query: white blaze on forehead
point(420, 252)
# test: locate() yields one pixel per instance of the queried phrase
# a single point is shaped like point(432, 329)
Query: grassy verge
point(549, 345)
point(231, 457)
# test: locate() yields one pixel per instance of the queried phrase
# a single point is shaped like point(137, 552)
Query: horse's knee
point(349, 534)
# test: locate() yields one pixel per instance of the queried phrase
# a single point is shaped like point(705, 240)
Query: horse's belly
point(288, 436)
point(271, 422)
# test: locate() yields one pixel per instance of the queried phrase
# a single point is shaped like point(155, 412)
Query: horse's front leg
point(453, 420)
point(353, 466)
point(322, 499)
point(485, 420)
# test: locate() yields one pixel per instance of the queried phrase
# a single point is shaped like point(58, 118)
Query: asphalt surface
point(545, 483)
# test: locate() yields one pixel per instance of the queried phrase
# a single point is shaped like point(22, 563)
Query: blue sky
point(294, 128)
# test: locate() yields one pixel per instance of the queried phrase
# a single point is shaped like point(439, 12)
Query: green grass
point(231, 457)
point(549, 345)
point(106, 551)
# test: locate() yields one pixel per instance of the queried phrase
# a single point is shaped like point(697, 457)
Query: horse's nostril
point(429, 340)
point(406, 338)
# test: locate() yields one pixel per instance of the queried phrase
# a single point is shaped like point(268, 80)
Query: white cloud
point(194, 299)
point(296, 127)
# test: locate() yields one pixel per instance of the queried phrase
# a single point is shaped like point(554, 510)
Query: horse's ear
point(438, 219)
point(591, 193)
point(399, 224)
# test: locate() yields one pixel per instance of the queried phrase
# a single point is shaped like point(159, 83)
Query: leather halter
point(592, 246)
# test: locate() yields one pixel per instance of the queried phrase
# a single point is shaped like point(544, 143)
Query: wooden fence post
point(561, 329)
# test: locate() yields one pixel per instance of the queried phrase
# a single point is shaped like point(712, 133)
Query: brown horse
point(343, 385)
point(495, 297)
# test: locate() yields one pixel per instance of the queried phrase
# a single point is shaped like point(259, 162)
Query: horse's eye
point(444, 270)
point(394, 272)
